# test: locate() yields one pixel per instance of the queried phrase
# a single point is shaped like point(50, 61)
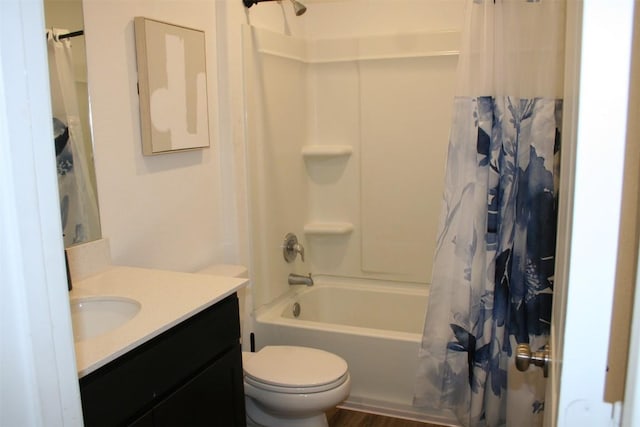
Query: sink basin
point(93, 316)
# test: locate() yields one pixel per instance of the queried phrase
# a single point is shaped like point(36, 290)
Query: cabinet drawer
point(126, 388)
point(215, 397)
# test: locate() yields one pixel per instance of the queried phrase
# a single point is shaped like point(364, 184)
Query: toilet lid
point(291, 366)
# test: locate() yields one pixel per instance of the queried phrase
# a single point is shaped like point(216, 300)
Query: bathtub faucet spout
point(297, 279)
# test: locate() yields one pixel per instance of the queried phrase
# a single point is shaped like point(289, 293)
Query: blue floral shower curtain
point(493, 271)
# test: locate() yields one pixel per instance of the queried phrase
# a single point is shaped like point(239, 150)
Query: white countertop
point(166, 297)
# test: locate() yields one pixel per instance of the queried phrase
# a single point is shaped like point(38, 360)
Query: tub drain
point(296, 309)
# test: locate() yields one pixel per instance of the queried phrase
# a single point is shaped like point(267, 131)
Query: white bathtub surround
point(166, 298)
point(343, 134)
point(375, 326)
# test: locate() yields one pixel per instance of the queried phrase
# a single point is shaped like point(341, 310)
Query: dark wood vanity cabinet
point(190, 375)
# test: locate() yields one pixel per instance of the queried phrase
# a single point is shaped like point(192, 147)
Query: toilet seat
point(292, 369)
point(296, 390)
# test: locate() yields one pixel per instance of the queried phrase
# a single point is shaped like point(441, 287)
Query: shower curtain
point(78, 201)
point(492, 280)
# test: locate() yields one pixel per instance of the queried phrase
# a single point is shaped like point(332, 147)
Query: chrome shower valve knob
point(291, 248)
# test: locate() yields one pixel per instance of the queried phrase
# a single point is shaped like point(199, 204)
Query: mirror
point(71, 121)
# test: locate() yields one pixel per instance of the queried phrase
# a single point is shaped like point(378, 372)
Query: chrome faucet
point(298, 279)
point(291, 248)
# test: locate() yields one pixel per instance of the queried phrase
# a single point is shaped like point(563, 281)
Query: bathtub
point(375, 327)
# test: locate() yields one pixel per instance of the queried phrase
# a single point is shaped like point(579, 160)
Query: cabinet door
point(215, 397)
point(134, 383)
point(144, 421)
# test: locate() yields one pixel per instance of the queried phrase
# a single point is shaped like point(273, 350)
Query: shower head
point(298, 7)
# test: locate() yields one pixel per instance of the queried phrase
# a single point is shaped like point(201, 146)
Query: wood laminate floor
point(345, 418)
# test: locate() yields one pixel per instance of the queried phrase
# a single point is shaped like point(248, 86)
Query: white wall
point(164, 211)
point(348, 18)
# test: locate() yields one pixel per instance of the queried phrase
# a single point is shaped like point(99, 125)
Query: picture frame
point(172, 86)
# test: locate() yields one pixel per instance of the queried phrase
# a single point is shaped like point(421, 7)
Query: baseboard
point(394, 410)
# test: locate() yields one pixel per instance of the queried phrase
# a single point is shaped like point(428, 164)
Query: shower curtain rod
point(71, 34)
point(298, 7)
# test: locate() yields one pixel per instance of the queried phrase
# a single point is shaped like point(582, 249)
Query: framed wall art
point(172, 84)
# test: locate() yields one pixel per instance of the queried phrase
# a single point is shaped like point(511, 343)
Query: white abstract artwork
point(172, 83)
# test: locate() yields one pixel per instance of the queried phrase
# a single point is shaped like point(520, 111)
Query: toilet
point(290, 386)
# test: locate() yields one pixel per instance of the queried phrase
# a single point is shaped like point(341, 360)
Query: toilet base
point(257, 417)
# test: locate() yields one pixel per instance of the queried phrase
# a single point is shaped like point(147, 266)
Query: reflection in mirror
point(71, 121)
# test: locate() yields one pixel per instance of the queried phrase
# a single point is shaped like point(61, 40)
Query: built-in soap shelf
point(326, 151)
point(328, 228)
point(322, 228)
